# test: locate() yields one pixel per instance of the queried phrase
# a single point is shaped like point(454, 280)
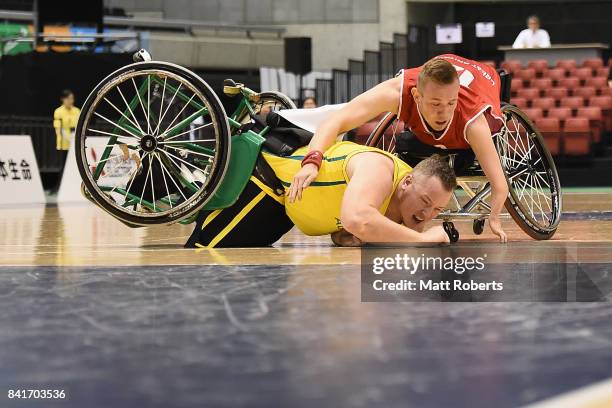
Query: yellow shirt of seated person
point(318, 212)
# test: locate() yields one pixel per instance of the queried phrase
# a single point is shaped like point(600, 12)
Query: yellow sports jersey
point(65, 121)
point(318, 212)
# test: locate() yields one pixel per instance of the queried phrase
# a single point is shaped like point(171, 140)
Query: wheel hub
point(148, 143)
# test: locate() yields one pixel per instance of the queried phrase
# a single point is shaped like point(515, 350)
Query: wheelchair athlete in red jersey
point(450, 102)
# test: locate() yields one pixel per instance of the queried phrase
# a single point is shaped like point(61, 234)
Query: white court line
point(598, 395)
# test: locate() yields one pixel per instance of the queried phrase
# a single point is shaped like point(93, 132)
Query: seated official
point(361, 194)
point(533, 36)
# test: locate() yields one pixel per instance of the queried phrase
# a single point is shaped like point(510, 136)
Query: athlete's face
point(437, 102)
point(422, 198)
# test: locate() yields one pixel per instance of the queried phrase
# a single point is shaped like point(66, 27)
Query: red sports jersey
point(479, 93)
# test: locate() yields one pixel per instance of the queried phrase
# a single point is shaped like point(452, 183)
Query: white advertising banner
point(19, 176)
point(484, 30)
point(448, 34)
point(115, 173)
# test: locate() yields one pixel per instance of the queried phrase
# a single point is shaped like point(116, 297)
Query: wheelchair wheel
point(152, 143)
point(383, 135)
point(266, 101)
point(534, 200)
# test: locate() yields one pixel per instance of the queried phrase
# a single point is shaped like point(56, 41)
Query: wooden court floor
point(84, 235)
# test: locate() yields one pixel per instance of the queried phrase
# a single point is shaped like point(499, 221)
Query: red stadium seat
point(570, 83)
point(593, 63)
point(533, 113)
point(605, 103)
point(515, 85)
point(595, 117)
point(542, 83)
point(577, 137)
point(582, 73)
point(572, 102)
point(545, 103)
point(557, 93)
point(606, 91)
point(528, 93)
point(551, 130)
point(597, 82)
point(511, 65)
point(585, 92)
point(520, 102)
point(561, 113)
point(603, 72)
point(556, 74)
point(540, 65)
point(526, 74)
point(567, 64)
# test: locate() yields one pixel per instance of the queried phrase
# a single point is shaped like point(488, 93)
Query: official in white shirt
point(532, 37)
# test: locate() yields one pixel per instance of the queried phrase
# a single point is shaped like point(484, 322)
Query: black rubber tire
point(516, 211)
point(216, 176)
point(380, 129)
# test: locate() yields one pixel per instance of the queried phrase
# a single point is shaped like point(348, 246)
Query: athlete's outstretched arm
point(479, 137)
point(384, 97)
point(371, 182)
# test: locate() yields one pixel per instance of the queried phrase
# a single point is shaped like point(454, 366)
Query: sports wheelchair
point(534, 200)
point(154, 144)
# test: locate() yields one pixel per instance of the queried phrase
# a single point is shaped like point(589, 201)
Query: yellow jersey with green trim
point(318, 212)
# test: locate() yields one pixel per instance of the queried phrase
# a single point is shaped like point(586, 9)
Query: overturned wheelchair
point(534, 199)
point(154, 144)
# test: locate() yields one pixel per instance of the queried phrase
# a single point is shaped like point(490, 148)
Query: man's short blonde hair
point(437, 166)
point(439, 71)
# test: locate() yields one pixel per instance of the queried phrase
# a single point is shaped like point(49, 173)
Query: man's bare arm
point(479, 137)
point(384, 97)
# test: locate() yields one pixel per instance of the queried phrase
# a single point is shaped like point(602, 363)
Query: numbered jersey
point(479, 93)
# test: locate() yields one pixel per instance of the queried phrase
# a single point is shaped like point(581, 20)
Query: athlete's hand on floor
point(301, 180)
point(496, 228)
point(435, 234)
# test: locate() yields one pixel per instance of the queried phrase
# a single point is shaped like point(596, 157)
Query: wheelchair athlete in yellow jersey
point(361, 194)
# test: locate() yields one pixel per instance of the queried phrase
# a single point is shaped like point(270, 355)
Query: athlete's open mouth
point(440, 123)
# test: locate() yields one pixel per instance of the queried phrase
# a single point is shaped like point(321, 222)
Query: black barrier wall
point(30, 84)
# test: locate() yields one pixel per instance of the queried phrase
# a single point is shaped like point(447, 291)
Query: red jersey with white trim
point(478, 93)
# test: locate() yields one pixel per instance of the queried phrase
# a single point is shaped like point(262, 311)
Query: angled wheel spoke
point(144, 185)
point(122, 114)
point(161, 107)
point(164, 169)
point(169, 128)
point(112, 134)
point(181, 160)
point(142, 106)
point(127, 105)
point(210, 156)
point(133, 177)
point(169, 105)
point(116, 124)
point(164, 178)
point(187, 131)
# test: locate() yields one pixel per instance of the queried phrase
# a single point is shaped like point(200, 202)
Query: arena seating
point(571, 103)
